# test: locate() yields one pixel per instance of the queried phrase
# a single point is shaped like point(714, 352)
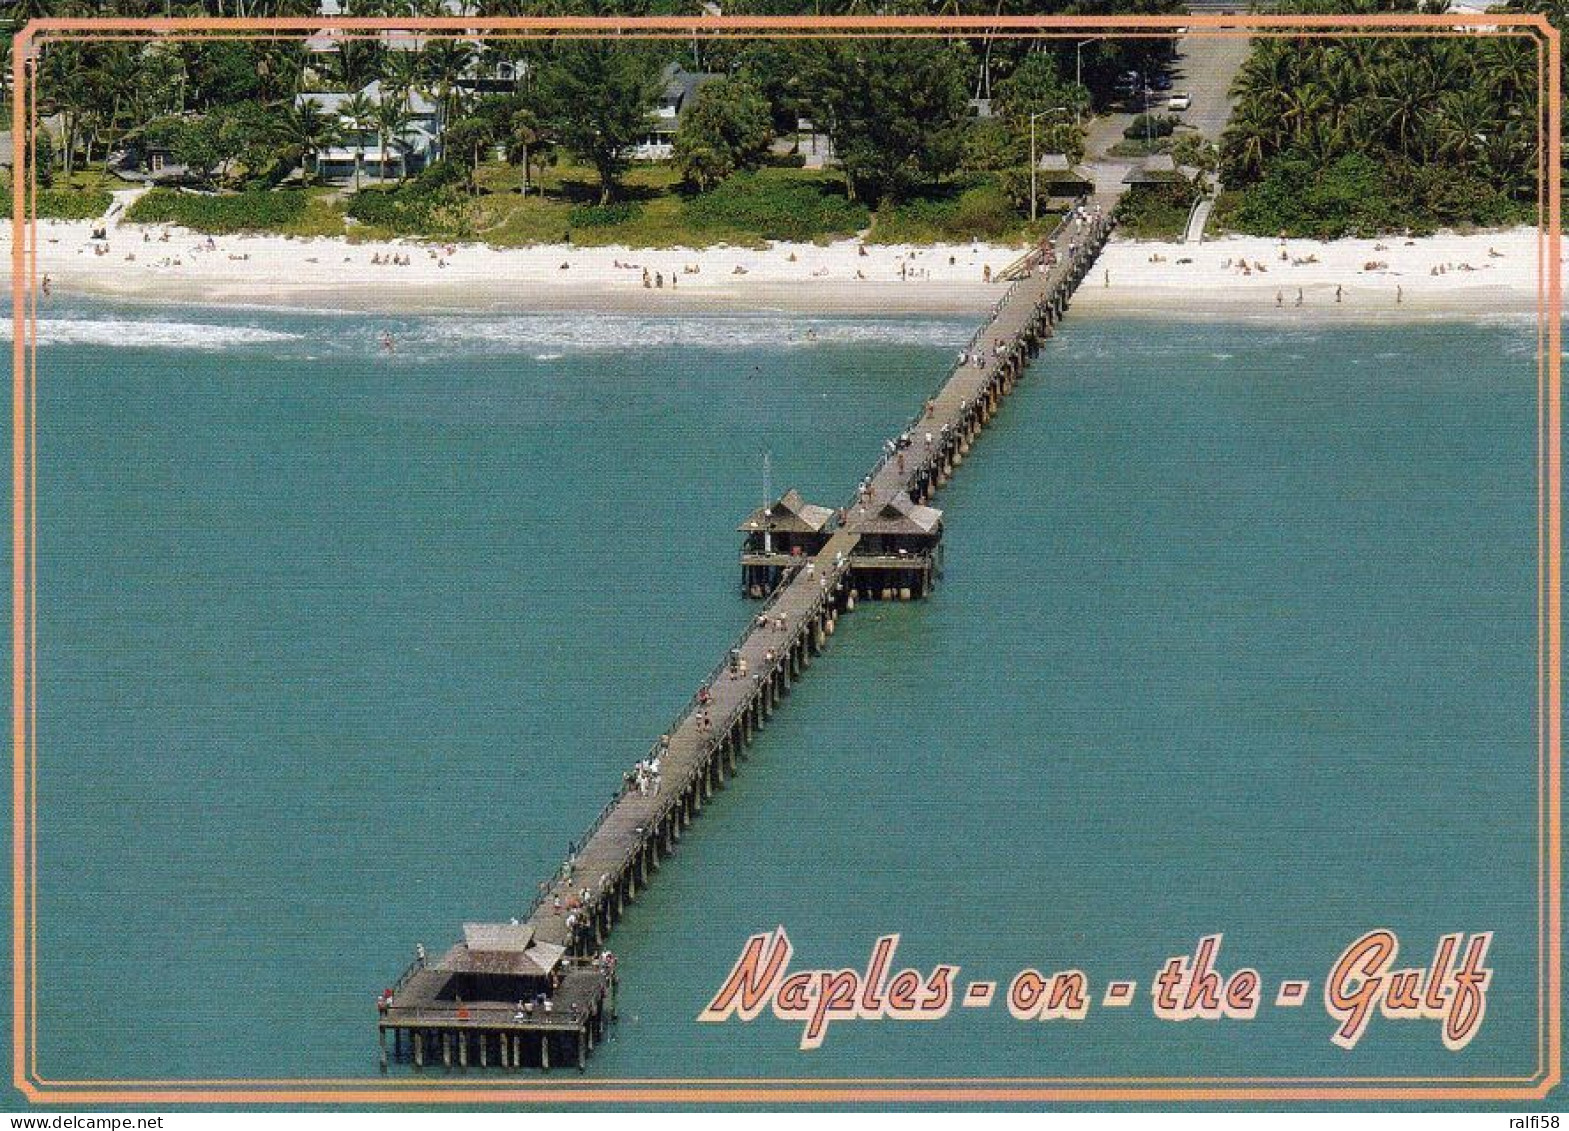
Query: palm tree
point(391, 120)
point(1511, 66)
point(18, 12)
point(1464, 118)
point(400, 74)
point(307, 130)
point(1251, 140)
point(442, 63)
point(358, 62)
point(526, 135)
point(359, 114)
point(1404, 99)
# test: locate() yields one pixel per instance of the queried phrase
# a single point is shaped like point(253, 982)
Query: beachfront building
point(677, 96)
point(146, 163)
point(146, 156)
point(815, 147)
point(327, 40)
point(357, 154)
point(780, 535)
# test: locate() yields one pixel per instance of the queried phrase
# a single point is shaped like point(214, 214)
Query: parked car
point(1179, 101)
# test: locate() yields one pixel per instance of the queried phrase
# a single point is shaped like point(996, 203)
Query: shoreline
point(1481, 274)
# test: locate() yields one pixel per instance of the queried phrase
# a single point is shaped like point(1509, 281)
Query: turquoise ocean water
point(338, 650)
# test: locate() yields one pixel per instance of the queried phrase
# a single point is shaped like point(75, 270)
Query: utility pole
point(1035, 162)
point(1078, 70)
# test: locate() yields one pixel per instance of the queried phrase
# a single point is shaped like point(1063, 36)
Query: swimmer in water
point(387, 344)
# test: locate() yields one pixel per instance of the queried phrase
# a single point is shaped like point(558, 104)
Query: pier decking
point(542, 991)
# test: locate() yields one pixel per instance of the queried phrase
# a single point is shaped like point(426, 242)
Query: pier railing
point(785, 577)
point(970, 348)
point(685, 712)
point(409, 971)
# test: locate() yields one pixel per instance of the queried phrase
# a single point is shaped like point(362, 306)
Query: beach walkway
point(541, 990)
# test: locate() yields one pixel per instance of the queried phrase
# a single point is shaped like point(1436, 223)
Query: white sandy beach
point(1476, 274)
point(1472, 274)
point(335, 274)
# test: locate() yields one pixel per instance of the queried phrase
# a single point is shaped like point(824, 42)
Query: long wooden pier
point(541, 991)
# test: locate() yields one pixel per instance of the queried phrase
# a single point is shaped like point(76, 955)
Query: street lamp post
point(1034, 161)
point(1149, 139)
point(1078, 70)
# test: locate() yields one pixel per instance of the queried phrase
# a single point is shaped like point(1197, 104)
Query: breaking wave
point(148, 334)
point(540, 338)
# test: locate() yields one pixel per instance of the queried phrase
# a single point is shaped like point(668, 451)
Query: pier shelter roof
point(790, 514)
point(1056, 168)
point(1158, 169)
point(501, 948)
point(897, 515)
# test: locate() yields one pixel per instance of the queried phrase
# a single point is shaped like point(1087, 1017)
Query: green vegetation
point(1147, 127)
point(1037, 87)
point(726, 130)
point(72, 204)
point(596, 94)
point(65, 203)
point(746, 209)
point(772, 206)
point(982, 212)
point(541, 148)
point(432, 204)
point(1156, 212)
point(1359, 136)
point(895, 109)
point(1362, 197)
point(254, 211)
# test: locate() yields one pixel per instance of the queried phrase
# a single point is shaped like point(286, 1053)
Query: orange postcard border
point(36, 1088)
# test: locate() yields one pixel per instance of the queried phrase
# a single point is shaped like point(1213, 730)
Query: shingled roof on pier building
point(897, 516)
point(501, 948)
point(789, 514)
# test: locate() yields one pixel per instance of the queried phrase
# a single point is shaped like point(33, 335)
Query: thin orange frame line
point(1444, 23)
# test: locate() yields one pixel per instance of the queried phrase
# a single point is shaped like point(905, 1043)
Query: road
point(1204, 69)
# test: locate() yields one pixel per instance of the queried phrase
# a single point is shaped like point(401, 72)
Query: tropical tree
point(391, 120)
point(597, 94)
point(1035, 87)
point(305, 130)
point(401, 74)
point(895, 110)
point(442, 62)
point(527, 142)
point(358, 114)
point(727, 128)
point(1433, 127)
point(467, 140)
